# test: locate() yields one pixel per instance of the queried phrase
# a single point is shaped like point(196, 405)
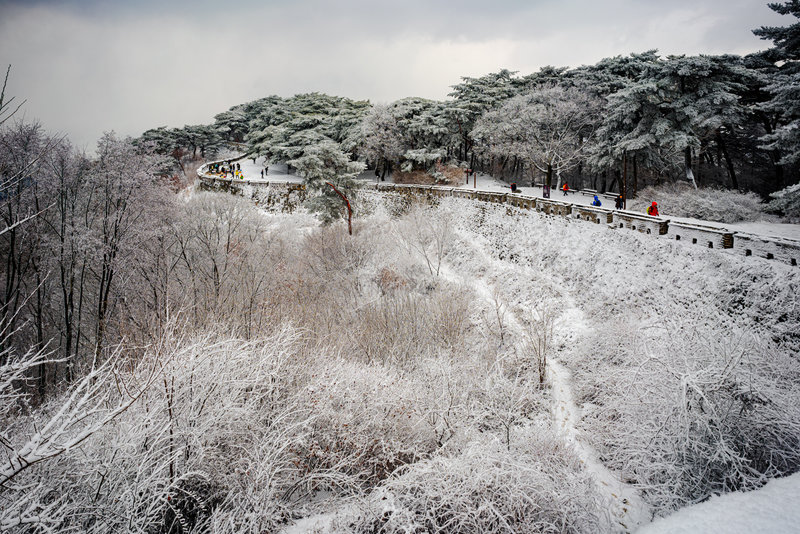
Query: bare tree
point(548, 128)
point(431, 235)
point(6, 105)
point(540, 326)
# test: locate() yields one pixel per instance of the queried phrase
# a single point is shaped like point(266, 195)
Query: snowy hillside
point(464, 367)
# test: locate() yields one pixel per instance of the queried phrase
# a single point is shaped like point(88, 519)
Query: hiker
point(596, 201)
point(565, 188)
point(652, 209)
point(619, 202)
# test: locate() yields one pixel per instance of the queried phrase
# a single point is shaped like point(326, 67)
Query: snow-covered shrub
point(369, 424)
point(400, 328)
point(448, 174)
point(682, 200)
point(693, 414)
point(786, 201)
point(540, 487)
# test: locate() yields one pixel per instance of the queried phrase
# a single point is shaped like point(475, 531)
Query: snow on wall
point(521, 201)
point(553, 207)
point(701, 235)
point(273, 195)
point(645, 224)
point(785, 250)
point(592, 214)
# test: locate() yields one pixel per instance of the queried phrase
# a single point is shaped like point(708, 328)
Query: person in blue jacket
point(596, 201)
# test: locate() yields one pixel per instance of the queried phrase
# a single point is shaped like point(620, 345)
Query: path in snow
point(622, 501)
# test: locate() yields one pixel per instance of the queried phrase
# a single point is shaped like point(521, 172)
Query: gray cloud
point(90, 66)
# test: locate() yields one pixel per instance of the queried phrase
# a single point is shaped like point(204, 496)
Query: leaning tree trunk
point(349, 209)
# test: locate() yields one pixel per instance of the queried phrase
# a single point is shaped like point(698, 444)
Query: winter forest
point(175, 360)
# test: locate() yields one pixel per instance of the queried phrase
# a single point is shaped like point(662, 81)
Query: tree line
point(724, 121)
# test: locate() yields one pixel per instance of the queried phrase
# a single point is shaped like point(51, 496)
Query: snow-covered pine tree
point(282, 128)
point(326, 170)
point(785, 87)
point(475, 96)
point(675, 106)
point(378, 139)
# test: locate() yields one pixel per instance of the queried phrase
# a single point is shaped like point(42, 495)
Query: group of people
point(619, 202)
point(223, 169)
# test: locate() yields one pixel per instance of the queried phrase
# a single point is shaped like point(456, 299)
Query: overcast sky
point(89, 66)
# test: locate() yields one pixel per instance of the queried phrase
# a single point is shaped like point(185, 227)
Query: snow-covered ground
point(277, 171)
point(774, 509)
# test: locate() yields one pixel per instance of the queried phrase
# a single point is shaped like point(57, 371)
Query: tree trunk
point(549, 176)
point(687, 161)
point(615, 180)
point(728, 162)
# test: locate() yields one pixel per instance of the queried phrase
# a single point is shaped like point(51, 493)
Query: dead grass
point(452, 176)
point(413, 177)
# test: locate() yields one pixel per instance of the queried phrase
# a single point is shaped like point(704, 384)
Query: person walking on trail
point(565, 188)
point(596, 201)
point(619, 202)
point(652, 209)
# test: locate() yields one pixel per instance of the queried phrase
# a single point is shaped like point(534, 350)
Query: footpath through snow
point(627, 508)
point(623, 502)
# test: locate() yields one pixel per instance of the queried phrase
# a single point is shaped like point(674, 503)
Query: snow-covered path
point(626, 506)
point(622, 501)
point(277, 171)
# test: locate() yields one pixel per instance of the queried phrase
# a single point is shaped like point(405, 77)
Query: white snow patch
point(775, 508)
point(318, 523)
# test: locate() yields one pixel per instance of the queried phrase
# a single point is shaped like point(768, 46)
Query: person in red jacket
point(652, 209)
point(565, 188)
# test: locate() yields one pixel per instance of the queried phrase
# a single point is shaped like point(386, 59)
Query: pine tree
point(378, 139)
point(328, 171)
point(785, 87)
point(673, 109)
